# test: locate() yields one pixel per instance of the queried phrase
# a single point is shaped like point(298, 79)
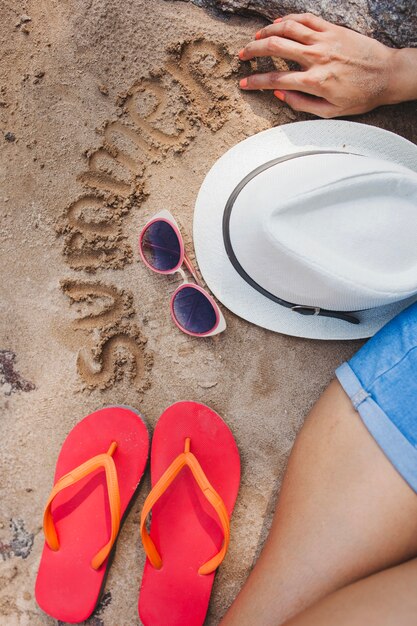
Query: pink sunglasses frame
point(165, 216)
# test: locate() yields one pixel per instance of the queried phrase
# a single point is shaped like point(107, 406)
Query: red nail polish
point(279, 19)
point(279, 94)
point(241, 53)
point(243, 83)
point(258, 35)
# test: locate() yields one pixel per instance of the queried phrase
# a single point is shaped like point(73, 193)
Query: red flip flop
point(86, 508)
point(195, 473)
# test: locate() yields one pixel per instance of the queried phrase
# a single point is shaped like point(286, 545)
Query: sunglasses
point(161, 248)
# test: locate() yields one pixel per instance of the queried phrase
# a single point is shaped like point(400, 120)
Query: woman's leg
point(385, 599)
point(344, 512)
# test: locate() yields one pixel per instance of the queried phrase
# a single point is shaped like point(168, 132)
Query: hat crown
point(244, 254)
point(336, 231)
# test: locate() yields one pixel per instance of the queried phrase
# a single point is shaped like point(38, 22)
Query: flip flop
point(86, 509)
point(191, 507)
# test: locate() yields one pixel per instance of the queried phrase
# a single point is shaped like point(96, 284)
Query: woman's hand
point(342, 72)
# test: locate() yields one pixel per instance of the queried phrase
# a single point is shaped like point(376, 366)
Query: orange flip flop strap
point(185, 458)
point(101, 461)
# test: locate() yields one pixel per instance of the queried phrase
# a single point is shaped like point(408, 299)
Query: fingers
point(287, 38)
point(307, 19)
point(298, 81)
point(289, 29)
point(292, 37)
point(273, 46)
point(309, 104)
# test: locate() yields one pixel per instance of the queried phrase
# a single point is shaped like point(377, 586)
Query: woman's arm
point(342, 72)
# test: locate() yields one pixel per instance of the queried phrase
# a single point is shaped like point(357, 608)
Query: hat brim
point(218, 272)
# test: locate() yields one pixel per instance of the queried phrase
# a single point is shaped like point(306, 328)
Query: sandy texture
point(110, 111)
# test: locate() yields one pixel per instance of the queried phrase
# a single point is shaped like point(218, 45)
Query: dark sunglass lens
point(193, 311)
point(161, 246)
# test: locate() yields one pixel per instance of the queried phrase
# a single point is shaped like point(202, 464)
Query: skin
point(344, 513)
point(341, 71)
point(384, 599)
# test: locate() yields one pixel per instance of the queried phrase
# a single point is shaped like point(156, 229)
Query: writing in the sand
point(115, 181)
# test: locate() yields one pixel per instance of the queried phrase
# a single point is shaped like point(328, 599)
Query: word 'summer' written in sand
point(160, 114)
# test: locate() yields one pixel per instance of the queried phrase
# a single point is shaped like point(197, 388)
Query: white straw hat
point(310, 229)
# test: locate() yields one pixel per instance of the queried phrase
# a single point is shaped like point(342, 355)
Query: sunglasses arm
point(192, 269)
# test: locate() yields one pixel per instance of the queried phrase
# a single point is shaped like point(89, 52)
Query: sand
point(109, 112)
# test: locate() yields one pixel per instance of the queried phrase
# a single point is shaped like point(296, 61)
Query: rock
point(393, 23)
point(7, 389)
point(207, 384)
point(104, 90)
point(9, 136)
point(23, 19)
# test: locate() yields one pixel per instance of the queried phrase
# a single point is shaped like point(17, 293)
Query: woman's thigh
point(388, 598)
point(344, 512)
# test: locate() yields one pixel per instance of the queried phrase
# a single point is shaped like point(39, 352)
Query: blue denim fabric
point(381, 381)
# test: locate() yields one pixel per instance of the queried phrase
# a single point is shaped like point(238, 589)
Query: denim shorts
point(381, 381)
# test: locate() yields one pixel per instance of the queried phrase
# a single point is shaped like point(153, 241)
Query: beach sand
point(110, 112)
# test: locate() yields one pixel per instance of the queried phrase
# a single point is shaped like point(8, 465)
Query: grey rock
point(22, 540)
point(394, 22)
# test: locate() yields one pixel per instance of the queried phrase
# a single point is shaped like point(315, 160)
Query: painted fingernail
point(241, 53)
point(279, 19)
point(279, 94)
point(243, 83)
point(258, 35)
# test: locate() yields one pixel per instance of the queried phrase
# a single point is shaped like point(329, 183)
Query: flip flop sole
point(184, 527)
point(67, 587)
